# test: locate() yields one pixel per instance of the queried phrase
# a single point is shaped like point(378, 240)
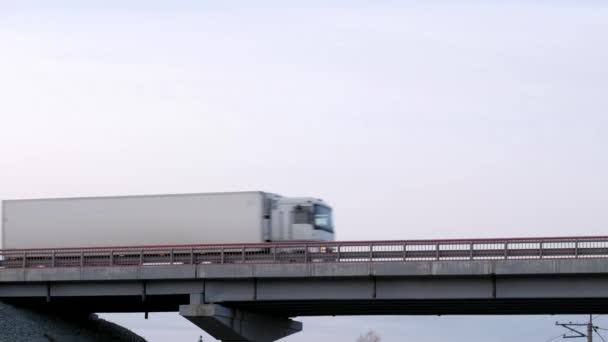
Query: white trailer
point(181, 219)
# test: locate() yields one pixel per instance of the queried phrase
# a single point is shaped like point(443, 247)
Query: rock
point(21, 325)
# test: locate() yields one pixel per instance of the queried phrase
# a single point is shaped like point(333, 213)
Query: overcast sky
point(424, 119)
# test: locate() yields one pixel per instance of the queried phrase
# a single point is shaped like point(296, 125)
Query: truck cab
point(299, 219)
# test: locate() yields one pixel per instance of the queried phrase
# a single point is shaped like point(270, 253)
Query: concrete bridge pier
point(232, 325)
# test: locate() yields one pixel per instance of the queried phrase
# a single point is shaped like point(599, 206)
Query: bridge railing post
point(371, 252)
point(405, 252)
point(24, 263)
point(437, 256)
point(141, 257)
point(471, 250)
point(222, 255)
point(53, 259)
point(506, 250)
point(576, 249)
point(540, 252)
point(111, 258)
point(192, 256)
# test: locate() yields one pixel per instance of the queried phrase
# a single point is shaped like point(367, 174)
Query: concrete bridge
point(251, 292)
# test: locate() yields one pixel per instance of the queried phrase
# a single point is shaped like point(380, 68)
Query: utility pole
point(590, 329)
point(574, 333)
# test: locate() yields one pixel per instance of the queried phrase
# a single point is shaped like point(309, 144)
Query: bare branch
point(370, 336)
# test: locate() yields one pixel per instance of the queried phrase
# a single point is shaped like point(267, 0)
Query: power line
point(598, 334)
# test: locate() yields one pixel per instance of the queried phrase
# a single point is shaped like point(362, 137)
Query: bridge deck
point(312, 252)
point(507, 276)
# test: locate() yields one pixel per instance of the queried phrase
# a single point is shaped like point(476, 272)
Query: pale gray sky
point(413, 119)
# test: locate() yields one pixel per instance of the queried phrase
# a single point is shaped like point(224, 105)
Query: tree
point(370, 336)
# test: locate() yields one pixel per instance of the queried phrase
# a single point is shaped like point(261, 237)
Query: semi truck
point(178, 219)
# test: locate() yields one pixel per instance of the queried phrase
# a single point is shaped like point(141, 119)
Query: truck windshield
point(323, 219)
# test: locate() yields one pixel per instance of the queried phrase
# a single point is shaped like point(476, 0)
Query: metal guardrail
point(311, 252)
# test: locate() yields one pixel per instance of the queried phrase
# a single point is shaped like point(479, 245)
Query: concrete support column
point(237, 325)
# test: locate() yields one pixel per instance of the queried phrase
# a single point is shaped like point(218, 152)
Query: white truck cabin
point(300, 219)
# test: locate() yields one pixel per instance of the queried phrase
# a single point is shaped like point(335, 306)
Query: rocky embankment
point(25, 325)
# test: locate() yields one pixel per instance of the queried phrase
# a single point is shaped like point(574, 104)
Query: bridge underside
point(428, 307)
point(545, 306)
